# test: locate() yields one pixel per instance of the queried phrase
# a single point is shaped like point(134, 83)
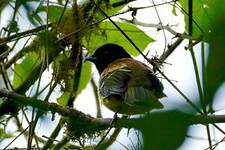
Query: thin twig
point(151, 25)
point(61, 16)
point(107, 142)
point(54, 134)
point(59, 145)
point(5, 77)
point(216, 144)
point(97, 100)
point(170, 49)
point(166, 27)
point(23, 34)
point(15, 138)
point(160, 23)
point(101, 20)
point(186, 13)
point(18, 55)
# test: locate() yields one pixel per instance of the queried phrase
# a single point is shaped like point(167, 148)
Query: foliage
point(205, 14)
point(107, 33)
point(215, 70)
point(164, 130)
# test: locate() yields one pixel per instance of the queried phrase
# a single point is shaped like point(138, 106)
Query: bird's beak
point(90, 58)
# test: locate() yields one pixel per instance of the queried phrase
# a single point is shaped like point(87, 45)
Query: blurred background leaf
point(163, 130)
point(54, 12)
point(215, 69)
point(64, 98)
point(208, 20)
point(114, 10)
point(4, 135)
point(85, 76)
point(23, 70)
point(204, 13)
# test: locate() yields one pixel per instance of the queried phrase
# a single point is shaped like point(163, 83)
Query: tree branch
point(23, 34)
point(161, 27)
point(101, 123)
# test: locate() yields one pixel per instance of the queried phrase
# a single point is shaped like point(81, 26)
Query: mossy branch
point(99, 123)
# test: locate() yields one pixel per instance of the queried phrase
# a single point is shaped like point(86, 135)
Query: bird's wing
point(115, 82)
point(142, 97)
point(155, 85)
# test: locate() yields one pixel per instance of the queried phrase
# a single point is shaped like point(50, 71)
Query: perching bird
point(126, 86)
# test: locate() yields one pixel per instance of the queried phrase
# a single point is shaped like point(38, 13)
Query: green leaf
point(62, 73)
point(215, 71)
point(209, 15)
point(4, 135)
point(66, 74)
point(25, 69)
point(27, 72)
point(28, 6)
point(198, 16)
point(64, 98)
point(85, 76)
point(174, 10)
point(35, 19)
point(54, 12)
point(163, 130)
point(108, 33)
point(114, 10)
point(204, 13)
point(107, 6)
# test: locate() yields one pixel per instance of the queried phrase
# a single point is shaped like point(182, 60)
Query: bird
point(126, 86)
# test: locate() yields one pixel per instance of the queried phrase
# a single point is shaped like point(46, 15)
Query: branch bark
point(99, 123)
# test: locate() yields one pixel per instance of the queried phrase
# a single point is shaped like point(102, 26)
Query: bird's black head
point(106, 54)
